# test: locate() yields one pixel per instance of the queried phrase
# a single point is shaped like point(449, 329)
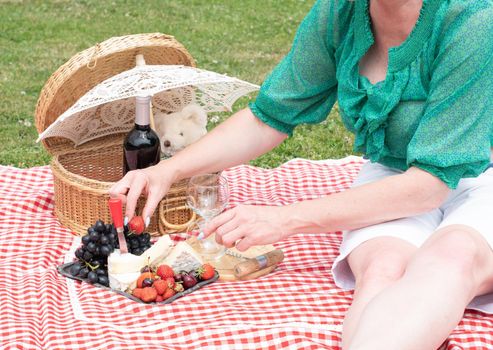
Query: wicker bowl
point(84, 174)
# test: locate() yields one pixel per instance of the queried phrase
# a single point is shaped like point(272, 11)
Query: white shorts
point(470, 204)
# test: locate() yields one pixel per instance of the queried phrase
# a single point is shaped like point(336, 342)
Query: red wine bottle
point(141, 147)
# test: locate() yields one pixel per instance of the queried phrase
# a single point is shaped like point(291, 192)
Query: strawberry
point(159, 298)
point(137, 225)
point(142, 277)
point(148, 294)
point(168, 294)
point(165, 271)
point(206, 272)
point(170, 281)
point(160, 286)
point(137, 292)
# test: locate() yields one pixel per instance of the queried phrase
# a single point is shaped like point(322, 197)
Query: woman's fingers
point(120, 188)
point(224, 230)
point(218, 221)
point(245, 243)
point(138, 185)
point(245, 226)
point(153, 199)
point(122, 197)
point(230, 238)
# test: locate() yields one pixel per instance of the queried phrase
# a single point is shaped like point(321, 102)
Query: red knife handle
point(116, 210)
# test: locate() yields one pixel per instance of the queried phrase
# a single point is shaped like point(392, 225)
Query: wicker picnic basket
point(83, 174)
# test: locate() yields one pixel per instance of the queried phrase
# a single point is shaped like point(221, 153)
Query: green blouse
point(434, 110)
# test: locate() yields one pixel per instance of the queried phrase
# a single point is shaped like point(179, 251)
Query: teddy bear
point(180, 129)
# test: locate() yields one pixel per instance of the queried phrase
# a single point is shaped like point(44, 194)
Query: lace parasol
point(109, 107)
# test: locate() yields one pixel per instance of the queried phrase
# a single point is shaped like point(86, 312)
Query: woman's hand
point(152, 181)
point(246, 225)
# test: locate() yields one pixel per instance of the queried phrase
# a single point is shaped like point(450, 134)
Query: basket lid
point(94, 65)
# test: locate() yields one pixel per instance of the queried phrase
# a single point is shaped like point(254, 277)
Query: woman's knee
point(457, 251)
point(377, 264)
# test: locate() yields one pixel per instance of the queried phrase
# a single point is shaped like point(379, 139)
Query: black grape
point(75, 269)
point(99, 226)
point(92, 276)
point(86, 239)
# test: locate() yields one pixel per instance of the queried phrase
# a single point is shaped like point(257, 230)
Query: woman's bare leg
point(421, 309)
point(376, 264)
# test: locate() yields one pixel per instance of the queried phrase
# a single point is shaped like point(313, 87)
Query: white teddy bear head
point(180, 129)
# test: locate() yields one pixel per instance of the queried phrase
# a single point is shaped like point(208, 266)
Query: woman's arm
point(411, 193)
point(239, 139)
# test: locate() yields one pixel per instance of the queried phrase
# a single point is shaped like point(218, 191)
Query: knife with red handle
point(116, 210)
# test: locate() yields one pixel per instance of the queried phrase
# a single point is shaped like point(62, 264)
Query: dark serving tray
point(64, 269)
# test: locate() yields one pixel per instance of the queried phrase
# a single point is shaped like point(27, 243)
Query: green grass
point(241, 38)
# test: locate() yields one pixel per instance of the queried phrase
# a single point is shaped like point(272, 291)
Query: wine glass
point(207, 196)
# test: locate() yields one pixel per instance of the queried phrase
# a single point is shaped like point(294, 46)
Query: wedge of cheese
point(122, 281)
point(183, 258)
point(119, 263)
point(158, 251)
point(126, 263)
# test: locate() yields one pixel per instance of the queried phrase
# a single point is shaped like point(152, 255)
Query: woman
point(414, 81)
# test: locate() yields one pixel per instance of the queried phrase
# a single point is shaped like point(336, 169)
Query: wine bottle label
point(140, 158)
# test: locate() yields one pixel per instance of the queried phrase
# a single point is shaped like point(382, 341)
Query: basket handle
point(173, 226)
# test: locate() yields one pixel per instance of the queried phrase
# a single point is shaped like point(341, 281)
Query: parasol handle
point(140, 61)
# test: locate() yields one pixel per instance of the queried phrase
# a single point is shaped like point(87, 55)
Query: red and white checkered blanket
point(296, 307)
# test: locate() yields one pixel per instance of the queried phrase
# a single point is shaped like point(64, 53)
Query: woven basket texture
point(83, 175)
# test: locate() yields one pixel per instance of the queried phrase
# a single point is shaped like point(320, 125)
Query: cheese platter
point(150, 271)
point(123, 258)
